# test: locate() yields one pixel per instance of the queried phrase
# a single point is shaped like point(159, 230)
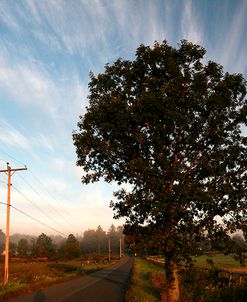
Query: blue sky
point(47, 49)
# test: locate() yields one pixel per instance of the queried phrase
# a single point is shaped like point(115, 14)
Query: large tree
point(169, 125)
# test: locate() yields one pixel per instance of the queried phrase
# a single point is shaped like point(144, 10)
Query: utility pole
point(9, 172)
point(109, 249)
point(120, 248)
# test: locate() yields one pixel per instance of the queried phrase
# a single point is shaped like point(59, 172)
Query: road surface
point(107, 285)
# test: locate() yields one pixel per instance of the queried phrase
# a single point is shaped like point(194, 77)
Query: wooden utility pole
point(9, 172)
point(109, 249)
point(120, 248)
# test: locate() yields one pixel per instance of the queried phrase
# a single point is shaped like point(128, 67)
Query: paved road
point(107, 285)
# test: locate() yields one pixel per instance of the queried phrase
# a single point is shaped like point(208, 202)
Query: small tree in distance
point(170, 126)
point(44, 246)
point(71, 247)
point(239, 248)
point(23, 247)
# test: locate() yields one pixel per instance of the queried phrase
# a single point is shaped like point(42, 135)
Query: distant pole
point(120, 248)
point(6, 265)
point(109, 249)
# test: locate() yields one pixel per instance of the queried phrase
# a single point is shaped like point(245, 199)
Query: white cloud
point(234, 47)
point(8, 18)
point(11, 136)
point(27, 83)
point(191, 27)
point(46, 142)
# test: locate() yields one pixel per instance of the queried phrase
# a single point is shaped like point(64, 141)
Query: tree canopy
point(169, 125)
point(23, 248)
point(71, 247)
point(44, 246)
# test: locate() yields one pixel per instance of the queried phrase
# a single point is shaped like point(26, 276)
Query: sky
point(47, 49)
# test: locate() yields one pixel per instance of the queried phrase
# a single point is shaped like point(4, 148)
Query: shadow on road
point(39, 297)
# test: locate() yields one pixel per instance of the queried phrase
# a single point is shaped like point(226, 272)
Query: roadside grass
point(199, 284)
point(141, 288)
point(28, 277)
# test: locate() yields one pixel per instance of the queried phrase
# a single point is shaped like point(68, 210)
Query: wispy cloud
point(44, 141)
point(234, 46)
point(8, 19)
point(191, 27)
point(27, 83)
point(11, 136)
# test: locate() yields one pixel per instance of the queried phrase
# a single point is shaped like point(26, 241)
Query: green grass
point(219, 260)
point(141, 289)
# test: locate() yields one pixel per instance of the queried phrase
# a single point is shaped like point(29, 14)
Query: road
point(107, 285)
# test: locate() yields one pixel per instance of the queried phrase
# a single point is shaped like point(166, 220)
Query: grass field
point(27, 277)
point(219, 260)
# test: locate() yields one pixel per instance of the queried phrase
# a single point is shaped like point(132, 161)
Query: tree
point(2, 241)
point(101, 238)
point(94, 241)
point(115, 234)
point(71, 247)
point(239, 247)
point(89, 242)
point(170, 127)
point(44, 246)
point(22, 248)
point(12, 249)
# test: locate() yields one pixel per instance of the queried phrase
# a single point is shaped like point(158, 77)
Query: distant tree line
point(95, 242)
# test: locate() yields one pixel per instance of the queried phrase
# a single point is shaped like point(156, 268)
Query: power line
point(35, 205)
point(3, 160)
point(11, 157)
point(44, 187)
point(35, 219)
point(46, 201)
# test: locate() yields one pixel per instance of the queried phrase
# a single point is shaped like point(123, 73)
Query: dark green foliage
point(239, 248)
point(22, 248)
point(70, 249)
point(169, 126)
point(96, 241)
point(44, 246)
point(2, 241)
point(12, 249)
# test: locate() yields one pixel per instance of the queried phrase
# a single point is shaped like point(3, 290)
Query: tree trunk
point(171, 292)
